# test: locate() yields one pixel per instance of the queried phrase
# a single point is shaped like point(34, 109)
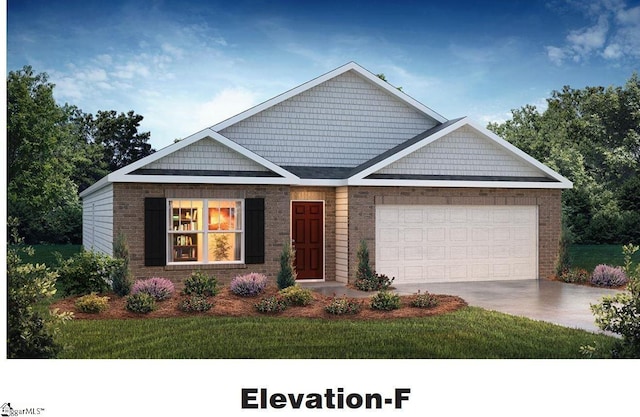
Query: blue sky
point(186, 65)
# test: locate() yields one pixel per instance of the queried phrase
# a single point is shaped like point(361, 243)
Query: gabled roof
point(134, 172)
point(351, 66)
point(367, 173)
point(383, 165)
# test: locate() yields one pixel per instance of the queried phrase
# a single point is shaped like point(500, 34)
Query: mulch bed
point(228, 304)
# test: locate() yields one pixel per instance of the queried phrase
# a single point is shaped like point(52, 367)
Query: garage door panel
point(456, 243)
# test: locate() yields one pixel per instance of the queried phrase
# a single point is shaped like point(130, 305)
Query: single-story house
point(342, 158)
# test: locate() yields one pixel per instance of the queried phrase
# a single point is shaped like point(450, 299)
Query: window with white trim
point(205, 231)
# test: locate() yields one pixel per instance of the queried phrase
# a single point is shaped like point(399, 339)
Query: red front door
point(307, 233)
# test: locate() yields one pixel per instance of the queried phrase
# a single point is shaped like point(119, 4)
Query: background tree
point(119, 137)
point(591, 136)
point(40, 191)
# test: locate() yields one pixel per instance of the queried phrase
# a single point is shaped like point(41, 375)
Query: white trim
point(351, 66)
point(324, 236)
point(454, 184)
point(123, 174)
point(359, 178)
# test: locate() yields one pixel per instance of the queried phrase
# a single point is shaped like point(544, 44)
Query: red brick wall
point(128, 207)
point(363, 200)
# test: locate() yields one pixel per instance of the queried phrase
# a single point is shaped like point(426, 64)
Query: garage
point(440, 243)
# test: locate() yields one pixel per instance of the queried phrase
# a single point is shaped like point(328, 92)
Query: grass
point(588, 256)
point(46, 254)
point(467, 333)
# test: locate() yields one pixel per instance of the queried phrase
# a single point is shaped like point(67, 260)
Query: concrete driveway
point(551, 301)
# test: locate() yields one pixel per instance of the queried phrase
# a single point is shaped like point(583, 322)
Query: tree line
point(592, 137)
point(589, 135)
point(56, 151)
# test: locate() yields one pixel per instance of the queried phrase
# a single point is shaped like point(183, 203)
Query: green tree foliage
point(119, 137)
point(53, 152)
point(29, 334)
point(287, 274)
point(592, 137)
point(620, 313)
point(40, 156)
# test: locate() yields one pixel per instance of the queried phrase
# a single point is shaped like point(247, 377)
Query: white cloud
point(614, 36)
point(584, 41)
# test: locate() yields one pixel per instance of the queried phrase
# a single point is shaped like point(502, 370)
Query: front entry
point(307, 235)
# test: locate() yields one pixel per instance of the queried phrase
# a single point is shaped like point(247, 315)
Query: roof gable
point(457, 151)
point(341, 119)
point(205, 155)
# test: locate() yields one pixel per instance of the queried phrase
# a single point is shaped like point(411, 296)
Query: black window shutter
point(254, 231)
point(155, 232)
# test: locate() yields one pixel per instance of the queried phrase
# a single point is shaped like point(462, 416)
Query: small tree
point(620, 313)
point(287, 274)
point(364, 271)
point(121, 276)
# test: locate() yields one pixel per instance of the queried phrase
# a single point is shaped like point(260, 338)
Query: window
point(205, 231)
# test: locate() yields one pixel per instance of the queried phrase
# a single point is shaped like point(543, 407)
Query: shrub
point(273, 304)
point(121, 275)
point(248, 285)
point(30, 334)
point(608, 276)
point(287, 274)
point(620, 313)
point(92, 303)
point(343, 305)
point(377, 282)
point(140, 302)
point(297, 296)
point(575, 275)
point(200, 283)
point(424, 300)
point(385, 300)
point(87, 272)
point(159, 288)
point(195, 303)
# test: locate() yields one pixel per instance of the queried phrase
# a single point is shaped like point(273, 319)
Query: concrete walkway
point(551, 301)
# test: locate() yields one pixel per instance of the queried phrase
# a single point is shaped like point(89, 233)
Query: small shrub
point(248, 285)
point(343, 305)
point(377, 282)
point(159, 288)
point(141, 303)
point(608, 276)
point(200, 283)
point(92, 303)
point(195, 303)
point(273, 304)
point(575, 275)
point(424, 300)
point(296, 295)
point(87, 272)
point(287, 274)
point(386, 301)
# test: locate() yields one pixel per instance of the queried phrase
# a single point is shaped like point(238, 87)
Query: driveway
point(551, 301)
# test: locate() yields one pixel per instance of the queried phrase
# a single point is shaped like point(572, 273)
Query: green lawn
point(46, 254)
point(467, 333)
point(588, 256)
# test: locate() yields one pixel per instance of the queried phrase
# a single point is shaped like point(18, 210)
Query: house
point(342, 158)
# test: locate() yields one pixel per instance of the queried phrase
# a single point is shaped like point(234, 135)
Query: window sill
point(182, 267)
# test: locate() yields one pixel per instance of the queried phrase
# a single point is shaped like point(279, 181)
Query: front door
point(307, 234)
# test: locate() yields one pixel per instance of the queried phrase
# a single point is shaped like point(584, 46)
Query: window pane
point(186, 215)
point(186, 247)
point(224, 247)
point(222, 215)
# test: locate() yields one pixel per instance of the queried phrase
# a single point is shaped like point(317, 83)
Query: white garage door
point(456, 243)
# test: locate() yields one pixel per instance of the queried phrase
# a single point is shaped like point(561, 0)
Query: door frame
point(324, 234)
